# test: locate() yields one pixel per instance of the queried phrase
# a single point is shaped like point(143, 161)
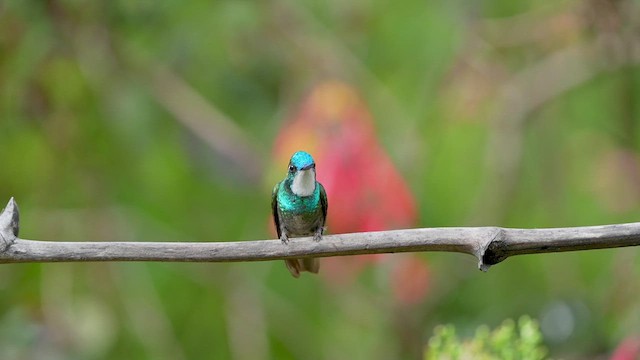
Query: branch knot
point(492, 253)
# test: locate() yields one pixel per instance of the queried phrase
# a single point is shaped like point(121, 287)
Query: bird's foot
point(318, 235)
point(284, 238)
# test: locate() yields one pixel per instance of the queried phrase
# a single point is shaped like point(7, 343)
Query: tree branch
point(490, 245)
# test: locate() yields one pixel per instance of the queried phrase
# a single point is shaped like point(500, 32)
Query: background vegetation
point(157, 121)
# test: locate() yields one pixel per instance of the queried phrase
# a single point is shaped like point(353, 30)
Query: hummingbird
point(299, 205)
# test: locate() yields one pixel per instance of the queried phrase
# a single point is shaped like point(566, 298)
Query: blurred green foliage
point(507, 342)
point(482, 105)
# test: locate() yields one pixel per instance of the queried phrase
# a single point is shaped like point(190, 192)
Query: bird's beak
point(310, 166)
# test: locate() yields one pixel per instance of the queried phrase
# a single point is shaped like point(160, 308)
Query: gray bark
point(490, 245)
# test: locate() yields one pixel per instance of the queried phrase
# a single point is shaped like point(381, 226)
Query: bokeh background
point(171, 121)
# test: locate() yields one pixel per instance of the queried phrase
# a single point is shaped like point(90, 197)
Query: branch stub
point(9, 224)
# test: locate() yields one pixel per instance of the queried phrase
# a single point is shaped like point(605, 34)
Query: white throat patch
point(304, 182)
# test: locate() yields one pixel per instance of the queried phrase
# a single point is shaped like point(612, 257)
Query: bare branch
point(490, 245)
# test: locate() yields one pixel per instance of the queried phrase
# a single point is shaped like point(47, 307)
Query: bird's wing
point(324, 203)
point(274, 207)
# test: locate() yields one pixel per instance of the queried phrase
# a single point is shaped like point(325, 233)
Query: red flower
point(364, 189)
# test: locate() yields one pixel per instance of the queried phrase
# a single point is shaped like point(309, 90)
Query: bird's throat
point(304, 182)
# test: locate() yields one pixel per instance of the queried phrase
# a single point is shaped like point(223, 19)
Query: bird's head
point(302, 173)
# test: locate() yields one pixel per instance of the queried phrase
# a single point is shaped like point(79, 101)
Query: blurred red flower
point(365, 190)
point(629, 349)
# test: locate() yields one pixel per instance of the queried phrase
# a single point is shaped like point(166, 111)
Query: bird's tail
point(296, 266)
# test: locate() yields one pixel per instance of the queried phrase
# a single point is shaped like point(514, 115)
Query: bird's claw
point(284, 238)
point(317, 236)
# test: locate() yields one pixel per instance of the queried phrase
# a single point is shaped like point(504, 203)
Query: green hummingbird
point(299, 205)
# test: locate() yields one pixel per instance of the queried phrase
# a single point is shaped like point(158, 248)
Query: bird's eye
point(291, 168)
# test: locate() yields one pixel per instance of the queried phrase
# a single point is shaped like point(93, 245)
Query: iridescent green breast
point(289, 202)
point(298, 215)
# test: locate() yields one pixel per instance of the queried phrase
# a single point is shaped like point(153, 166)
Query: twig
point(206, 122)
point(490, 245)
point(529, 91)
